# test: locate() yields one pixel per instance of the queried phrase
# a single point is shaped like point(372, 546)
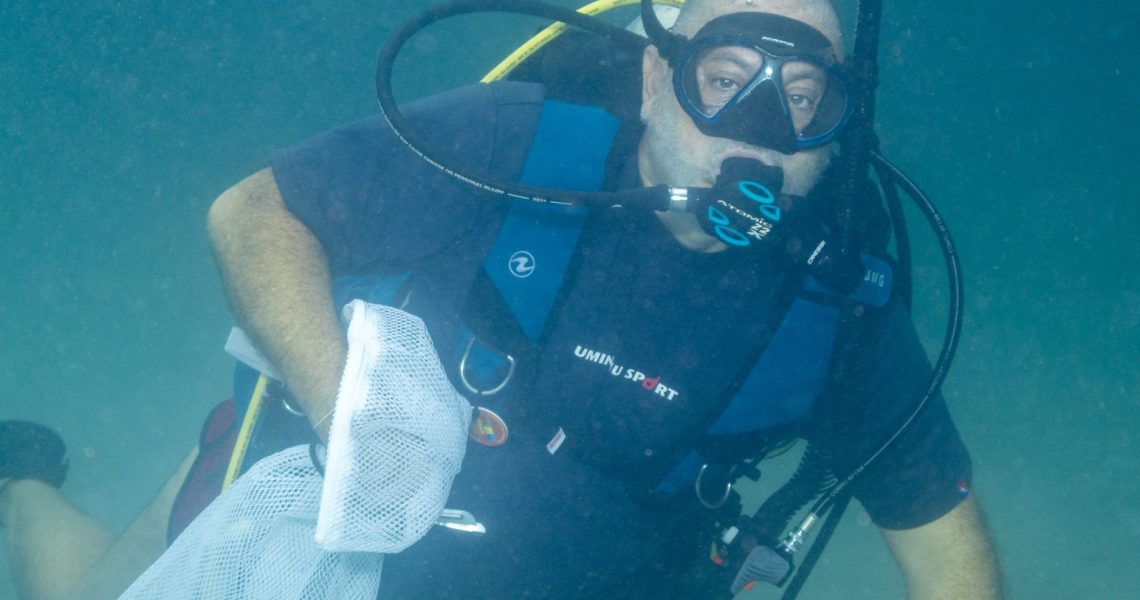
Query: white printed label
point(556, 442)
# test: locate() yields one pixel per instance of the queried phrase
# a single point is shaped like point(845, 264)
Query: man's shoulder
point(484, 127)
point(479, 96)
point(360, 189)
point(473, 107)
point(479, 117)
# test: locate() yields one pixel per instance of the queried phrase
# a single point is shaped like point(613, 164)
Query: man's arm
point(277, 278)
point(950, 557)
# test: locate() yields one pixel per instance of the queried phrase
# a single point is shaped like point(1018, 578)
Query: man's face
point(673, 151)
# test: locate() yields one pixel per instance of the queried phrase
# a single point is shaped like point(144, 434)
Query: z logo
point(521, 264)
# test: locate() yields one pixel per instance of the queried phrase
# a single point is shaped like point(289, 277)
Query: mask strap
point(668, 43)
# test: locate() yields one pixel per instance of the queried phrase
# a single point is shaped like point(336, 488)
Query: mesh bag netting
point(282, 531)
point(402, 430)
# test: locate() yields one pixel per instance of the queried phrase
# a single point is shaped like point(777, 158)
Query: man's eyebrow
point(726, 55)
point(793, 75)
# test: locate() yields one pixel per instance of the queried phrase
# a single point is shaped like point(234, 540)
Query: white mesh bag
point(397, 440)
point(282, 531)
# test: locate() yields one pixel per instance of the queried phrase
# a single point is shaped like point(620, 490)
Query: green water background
point(121, 121)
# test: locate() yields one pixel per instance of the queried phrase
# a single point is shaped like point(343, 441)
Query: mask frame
point(763, 96)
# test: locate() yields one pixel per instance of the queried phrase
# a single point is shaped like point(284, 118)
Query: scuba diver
point(628, 364)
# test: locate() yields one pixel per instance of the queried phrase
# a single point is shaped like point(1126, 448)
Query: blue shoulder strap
point(536, 241)
point(792, 371)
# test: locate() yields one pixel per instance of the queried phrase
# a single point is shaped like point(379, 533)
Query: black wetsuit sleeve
point(926, 471)
point(374, 205)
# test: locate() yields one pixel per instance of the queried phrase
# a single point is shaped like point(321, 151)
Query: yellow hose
point(544, 37)
point(237, 457)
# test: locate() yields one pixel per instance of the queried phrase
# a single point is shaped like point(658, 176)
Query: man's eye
point(802, 102)
point(717, 90)
point(725, 84)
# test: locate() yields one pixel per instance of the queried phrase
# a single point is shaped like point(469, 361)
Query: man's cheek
point(803, 170)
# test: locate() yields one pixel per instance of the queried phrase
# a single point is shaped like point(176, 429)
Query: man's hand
point(277, 279)
point(951, 557)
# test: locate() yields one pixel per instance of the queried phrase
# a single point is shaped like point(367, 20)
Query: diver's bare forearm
point(952, 557)
point(277, 279)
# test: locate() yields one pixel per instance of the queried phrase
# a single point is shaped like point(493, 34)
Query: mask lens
point(816, 99)
point(726, 83)
point(719, 74)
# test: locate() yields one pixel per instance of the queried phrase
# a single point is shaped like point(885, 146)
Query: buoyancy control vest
point(487, 307)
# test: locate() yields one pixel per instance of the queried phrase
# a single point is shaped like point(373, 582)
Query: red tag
point(714, 554)
point(487, 428)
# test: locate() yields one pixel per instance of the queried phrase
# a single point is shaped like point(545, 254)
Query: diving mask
point(762, 79)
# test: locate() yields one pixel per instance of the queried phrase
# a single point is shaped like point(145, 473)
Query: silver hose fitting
point(794, 540)
point(678, 199)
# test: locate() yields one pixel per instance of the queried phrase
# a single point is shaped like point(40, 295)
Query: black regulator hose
point(657, 197)
point(835, 502)
point(794, 539)
point(859, 152)
point(804, 571)
point(859, 139)
point(903, 283)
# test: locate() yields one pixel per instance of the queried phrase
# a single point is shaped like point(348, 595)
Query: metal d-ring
point(289, 406)
point(701, 499)
point(472, 388)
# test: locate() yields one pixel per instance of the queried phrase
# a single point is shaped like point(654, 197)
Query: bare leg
point(50, 544)
point(58, 553)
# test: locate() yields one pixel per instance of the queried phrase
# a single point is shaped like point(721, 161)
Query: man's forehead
point(817, 13)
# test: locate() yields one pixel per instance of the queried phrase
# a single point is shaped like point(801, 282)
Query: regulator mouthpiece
point(746, 210)
point(742, 209)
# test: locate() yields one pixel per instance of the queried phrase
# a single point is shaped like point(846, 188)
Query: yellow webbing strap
point(544, 37)
point(245, 434)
